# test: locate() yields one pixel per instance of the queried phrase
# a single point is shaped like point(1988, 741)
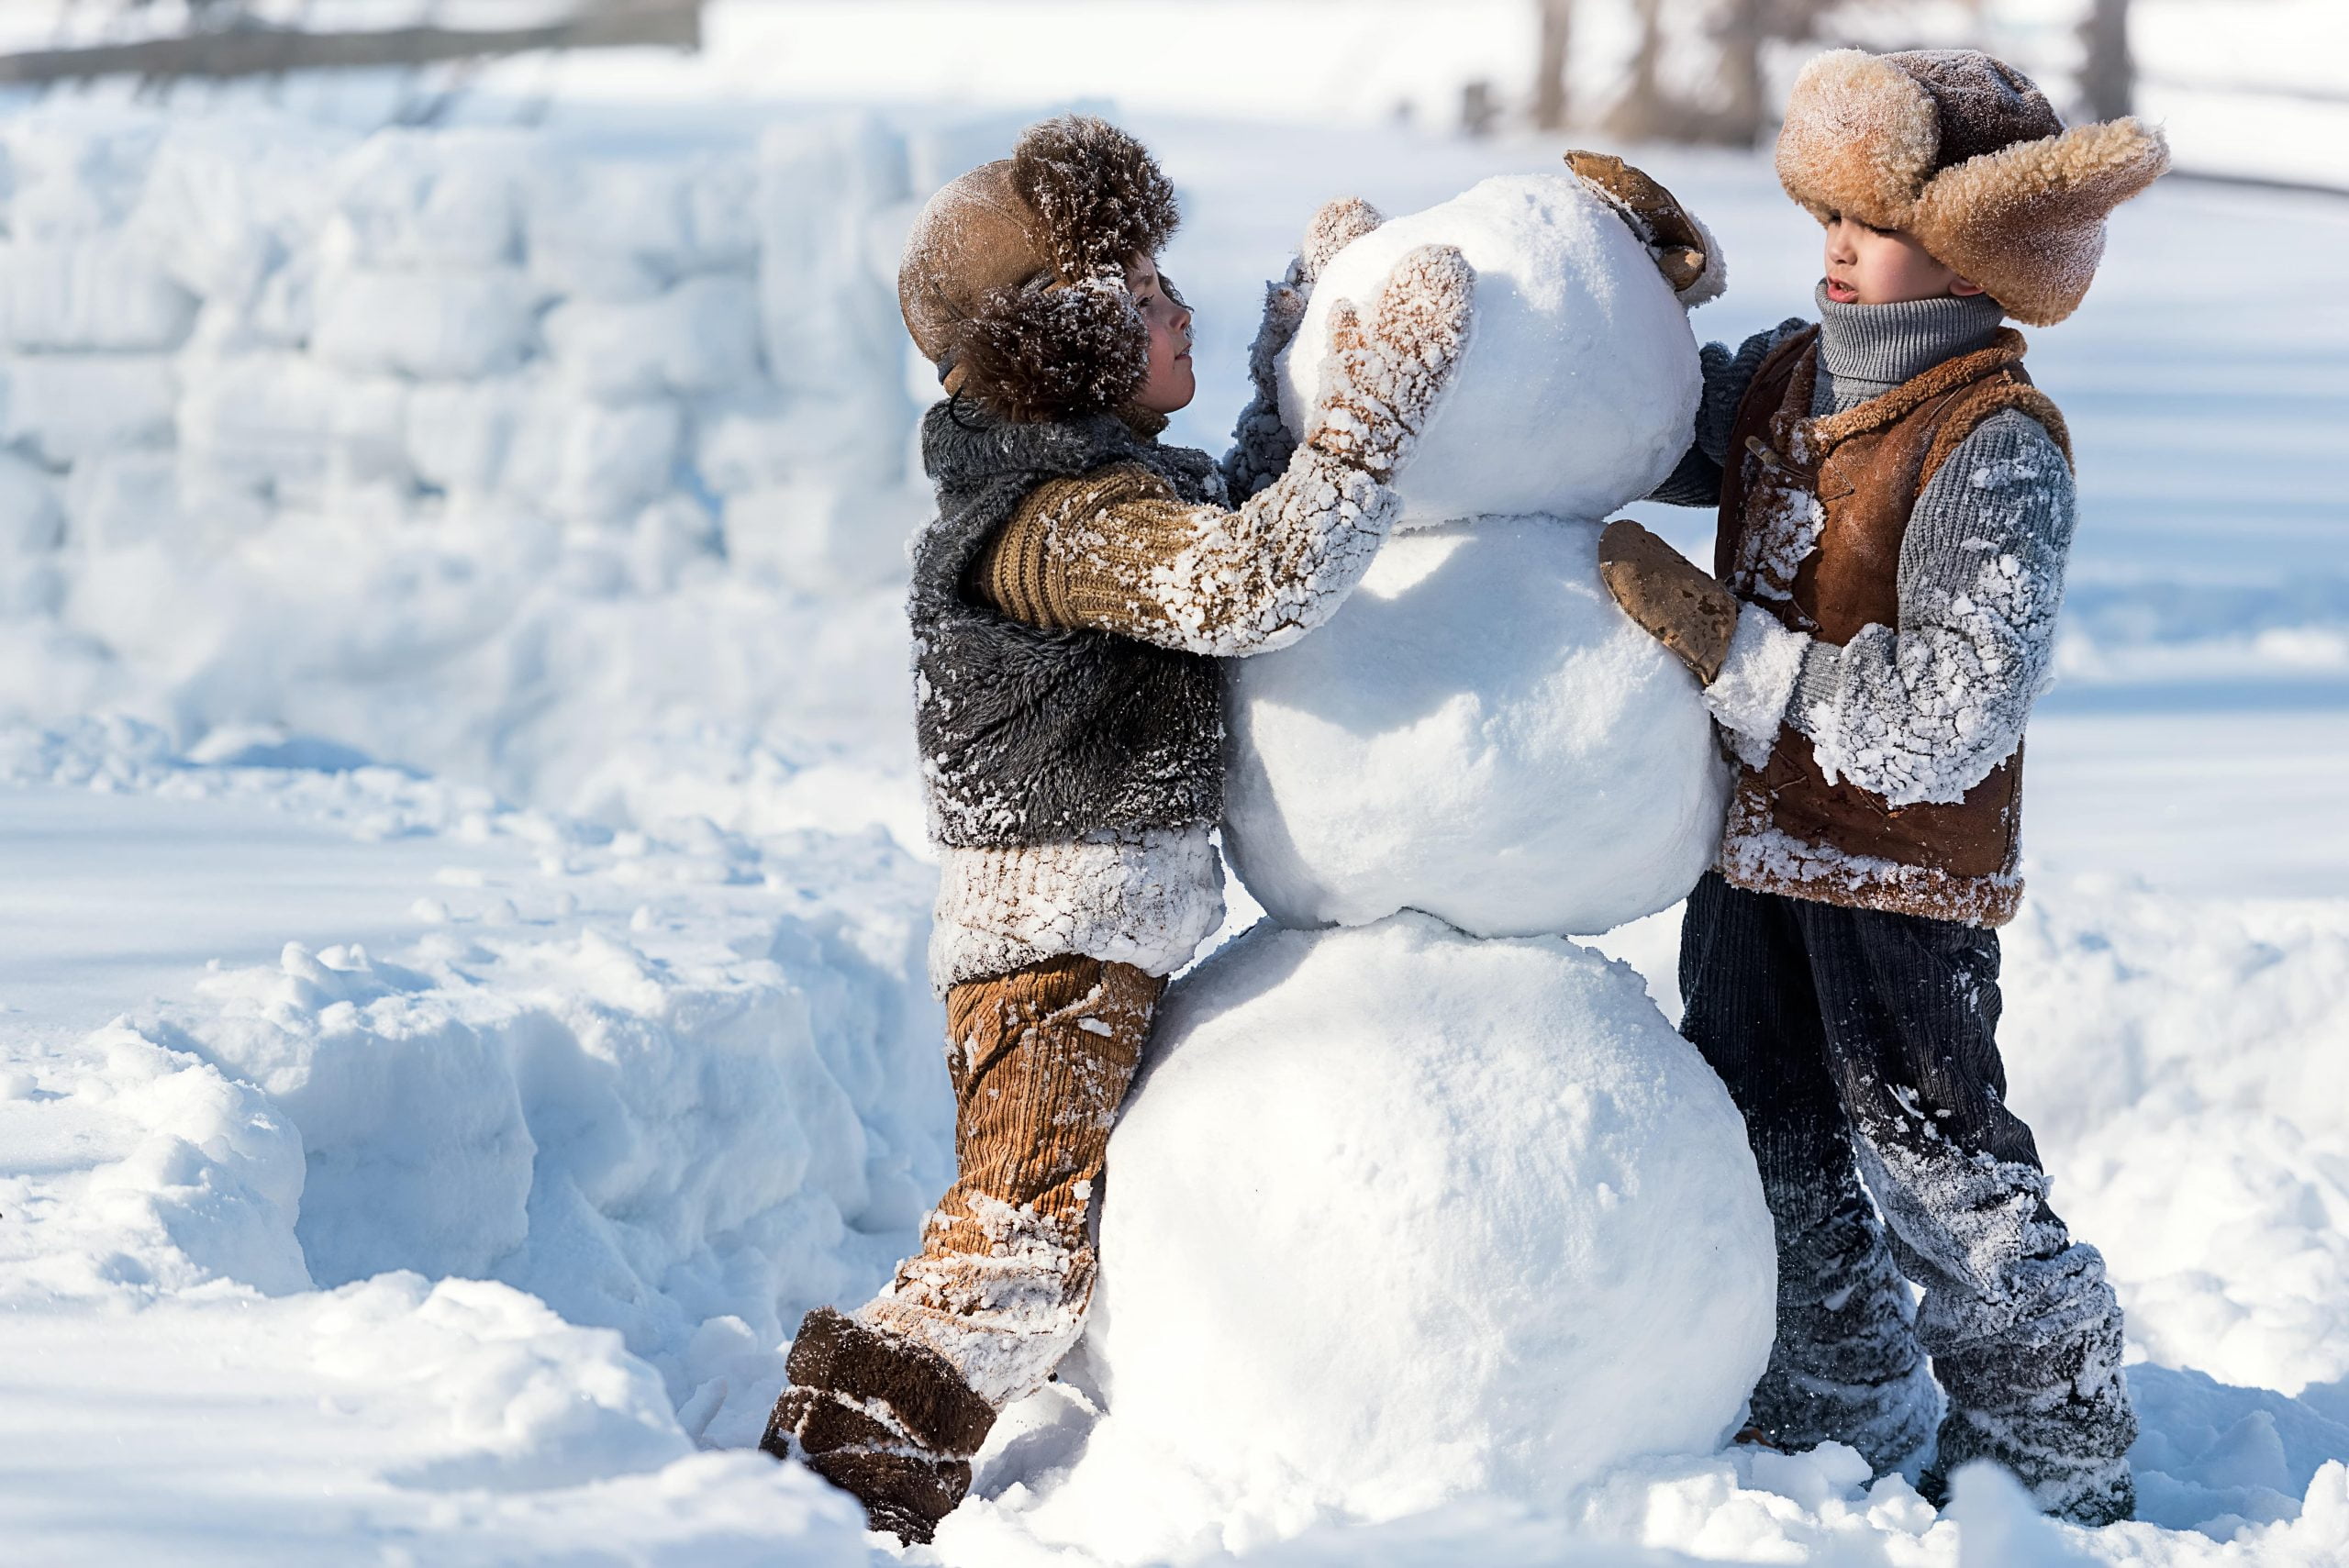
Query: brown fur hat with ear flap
point(1964, 152)
point(1014, 278)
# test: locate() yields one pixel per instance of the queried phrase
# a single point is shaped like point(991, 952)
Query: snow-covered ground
point(462, 1000)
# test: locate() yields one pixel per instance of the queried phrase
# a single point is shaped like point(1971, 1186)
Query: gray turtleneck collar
point(1866, 351)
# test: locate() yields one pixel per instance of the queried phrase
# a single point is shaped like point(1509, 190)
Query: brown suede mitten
point(1660, 588)
point(1657, 217)
point(1383, 379)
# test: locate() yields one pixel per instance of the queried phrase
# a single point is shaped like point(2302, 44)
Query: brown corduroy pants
point(1040, 1060)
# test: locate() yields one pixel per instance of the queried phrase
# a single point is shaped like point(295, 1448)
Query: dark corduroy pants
point(1861, 1048)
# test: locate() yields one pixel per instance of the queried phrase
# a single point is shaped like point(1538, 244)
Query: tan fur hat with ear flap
point(1014, 277)
point(1964, 152)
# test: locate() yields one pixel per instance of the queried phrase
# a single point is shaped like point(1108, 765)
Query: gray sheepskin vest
point(1036, 737)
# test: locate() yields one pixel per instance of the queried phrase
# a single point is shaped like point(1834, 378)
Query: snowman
point(1419, 1197)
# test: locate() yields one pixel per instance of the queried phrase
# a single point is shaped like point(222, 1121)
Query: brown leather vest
point(1813, 512)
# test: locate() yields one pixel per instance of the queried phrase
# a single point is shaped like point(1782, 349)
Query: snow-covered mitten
point(1680, 607)
point(1261, 443)
point(1685, 253)
point(885, 1419)
point(1383, 378)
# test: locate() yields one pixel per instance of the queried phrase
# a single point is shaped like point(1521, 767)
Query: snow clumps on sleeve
point(1926, 711)
point(1757, 680)
point(1257, 579)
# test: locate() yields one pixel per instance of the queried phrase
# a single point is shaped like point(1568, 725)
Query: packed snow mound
point(1479, 733)
point(1399, 1215)
point(490, 450)
point(1580, 382)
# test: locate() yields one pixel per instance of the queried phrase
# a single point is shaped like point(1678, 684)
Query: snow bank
point(490, 450)
point(136, 1166)
point(459, 1422)
point(2185, 1066)
point(642, 1149)
point(1395, 1216)
point(482, 1243)
point(596, 300)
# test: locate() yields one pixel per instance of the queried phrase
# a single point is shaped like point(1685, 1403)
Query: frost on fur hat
point(1964, 152)
point(1014, 279)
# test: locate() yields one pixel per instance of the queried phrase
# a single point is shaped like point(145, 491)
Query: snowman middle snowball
point(1480, 733)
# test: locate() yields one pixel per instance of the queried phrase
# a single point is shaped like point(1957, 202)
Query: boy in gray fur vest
point(1069, 603)
point(1895, 504)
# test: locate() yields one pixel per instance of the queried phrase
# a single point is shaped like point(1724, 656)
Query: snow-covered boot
point(1846, 1367)
point(2045, 1398)
point(883, 1419)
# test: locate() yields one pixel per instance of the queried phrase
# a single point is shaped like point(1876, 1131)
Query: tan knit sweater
point(1083, 552)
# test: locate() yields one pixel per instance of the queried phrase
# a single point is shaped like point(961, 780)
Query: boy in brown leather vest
point(1896, 506)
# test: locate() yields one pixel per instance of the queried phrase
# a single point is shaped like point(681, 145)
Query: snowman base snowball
point(1401, 1215)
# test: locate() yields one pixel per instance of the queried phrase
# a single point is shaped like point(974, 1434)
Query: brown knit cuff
point(835, 1353)
point(1012, 574)
point(1081, 552)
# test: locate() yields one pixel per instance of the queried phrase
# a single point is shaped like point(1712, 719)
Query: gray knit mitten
point(1261, 443)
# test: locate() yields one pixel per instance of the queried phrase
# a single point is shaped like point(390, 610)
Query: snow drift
point(402, 438)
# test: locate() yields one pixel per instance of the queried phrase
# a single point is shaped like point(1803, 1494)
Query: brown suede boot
point(884, 1420)
point(890, 1404)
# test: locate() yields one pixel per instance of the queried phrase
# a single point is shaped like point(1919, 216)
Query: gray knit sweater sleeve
point(1697, 481)
point(1925, 710)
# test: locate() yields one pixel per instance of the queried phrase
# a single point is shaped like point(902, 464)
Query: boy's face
point(1884, 266)
point(1170, 385)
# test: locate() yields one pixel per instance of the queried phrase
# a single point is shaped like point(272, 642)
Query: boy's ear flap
point(1035, 354)
point(2027, 222)
point(1097, 194)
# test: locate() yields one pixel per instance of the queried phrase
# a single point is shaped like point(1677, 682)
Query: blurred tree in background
point(1722, 93)
point(215, 40)
point(2107, 73)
